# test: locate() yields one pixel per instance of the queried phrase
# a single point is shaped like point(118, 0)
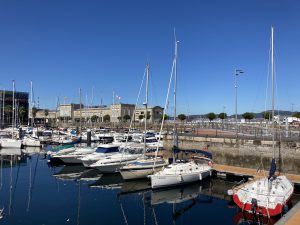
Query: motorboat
point(31, 141)
point(102, 150)
point(113, 163)
point(74, 157)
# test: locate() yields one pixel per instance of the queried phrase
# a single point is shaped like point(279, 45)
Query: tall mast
point(13, 109)
point(31, 103)
point(146, 105)
point(3, 105)
point(80, 99)
point(175, 87)
point(273, 89)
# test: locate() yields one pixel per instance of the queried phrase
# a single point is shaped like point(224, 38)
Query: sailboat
point(267, 196)
point(12, 142)
point(144, 166)
point(180, 172)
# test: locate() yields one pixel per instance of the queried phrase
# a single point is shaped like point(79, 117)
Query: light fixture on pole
point(237, 72)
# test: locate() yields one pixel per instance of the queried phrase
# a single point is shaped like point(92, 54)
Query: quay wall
point(244, 153)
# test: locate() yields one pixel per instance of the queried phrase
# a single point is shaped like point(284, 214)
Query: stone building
point(69, 113)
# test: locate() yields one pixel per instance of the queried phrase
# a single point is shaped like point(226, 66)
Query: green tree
point(148, 115)
point(22, 112)
point(141, 117)
point(296, 114)
point(267, 115)
point(126, 118)
point(181, 117)
point(46, 114)
point(8, 111)
point(222, 116)
point(106, 118)
point(211, 116)
point(94, 118)
point(248, 116)
point(165, 118)
point(34, 110)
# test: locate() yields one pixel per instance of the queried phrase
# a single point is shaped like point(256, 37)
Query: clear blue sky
point(65, 45)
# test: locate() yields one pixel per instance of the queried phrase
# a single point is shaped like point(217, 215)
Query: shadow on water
point(31, 191)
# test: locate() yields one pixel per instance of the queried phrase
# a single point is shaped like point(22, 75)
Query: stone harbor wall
point(244, 153)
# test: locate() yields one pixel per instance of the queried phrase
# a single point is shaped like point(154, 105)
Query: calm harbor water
point(32, 192)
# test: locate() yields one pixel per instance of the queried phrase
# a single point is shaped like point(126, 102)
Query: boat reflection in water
point(70, 172)
point(181, 194)
point(248, 218)
point(108, 181)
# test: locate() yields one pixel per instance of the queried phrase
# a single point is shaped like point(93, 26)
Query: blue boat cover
point(272, 169)
point(197, 151)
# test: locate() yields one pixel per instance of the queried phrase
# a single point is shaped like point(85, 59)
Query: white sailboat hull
point(270, 196)
point(131, 174)
point(10, 143)
point(178, 174)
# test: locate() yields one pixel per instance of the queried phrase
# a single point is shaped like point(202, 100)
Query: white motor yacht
point(113, 163)
point(74, 157)
point(102, 150)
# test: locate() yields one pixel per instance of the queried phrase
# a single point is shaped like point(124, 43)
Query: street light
point(237, 72)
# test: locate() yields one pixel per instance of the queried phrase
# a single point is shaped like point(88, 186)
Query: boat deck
point(239, 171)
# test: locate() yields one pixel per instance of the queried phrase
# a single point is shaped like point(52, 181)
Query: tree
point(119, 118)
point(248, 116)
point(94, 118)
point(46, 113)
point(33, 112)
point(211, 116)
point(126, 118)
point(222, 116)
point(148, 115)
point(267, 115)
point(8, 111)
point(165, 118)
point(22, 112)
point(296, 114)
point(181, 117)
point(141, 117)
point(106, 118)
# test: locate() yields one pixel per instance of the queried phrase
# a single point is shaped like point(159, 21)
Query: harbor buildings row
point(113, 113)
point(69, 112)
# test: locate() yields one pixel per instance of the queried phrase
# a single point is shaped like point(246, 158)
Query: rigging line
point(135, 107)
point(154, 215)
point(123, 213)
point(165, 109)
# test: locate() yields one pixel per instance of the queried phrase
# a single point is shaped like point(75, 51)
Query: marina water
point(33, 192)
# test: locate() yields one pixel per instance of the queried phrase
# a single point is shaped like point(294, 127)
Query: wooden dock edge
point(239, 171)
point(292, 217)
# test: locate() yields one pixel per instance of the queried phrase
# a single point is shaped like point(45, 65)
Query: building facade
point(71, 113)
point(20, 107)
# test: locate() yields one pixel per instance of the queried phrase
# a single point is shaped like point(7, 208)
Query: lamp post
point(237, 72)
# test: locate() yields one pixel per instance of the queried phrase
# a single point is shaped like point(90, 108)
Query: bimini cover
point(196, 151)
